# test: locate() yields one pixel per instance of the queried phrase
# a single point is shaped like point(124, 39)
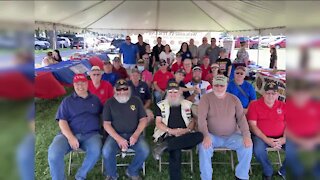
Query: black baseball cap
point(121, 83)
point(271, 86)
point(172, 84)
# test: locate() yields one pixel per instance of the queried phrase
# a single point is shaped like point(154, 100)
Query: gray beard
point(122, 99)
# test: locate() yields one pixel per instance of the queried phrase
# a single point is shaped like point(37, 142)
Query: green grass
point(47, 128)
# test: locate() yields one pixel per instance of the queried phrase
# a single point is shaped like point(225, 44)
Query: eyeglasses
point(219, 85)
point(122, 89)
point(163, 64)
point(96, 74)
point(240, 73)
point(128, 39)
point(173, 91)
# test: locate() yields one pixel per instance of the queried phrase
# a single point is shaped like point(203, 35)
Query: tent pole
point(258, 47)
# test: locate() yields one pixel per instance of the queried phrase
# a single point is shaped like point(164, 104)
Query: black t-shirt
point(175, 118)
point(224, 64)
point(157, 50)
point(141, 91)
point(142, 48)
point(124, 117)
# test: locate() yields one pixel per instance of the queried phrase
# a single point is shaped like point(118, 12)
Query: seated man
point(79, 120)
point(266, 121)
point(241, 88)
point(200, 87)
point(102, 89)
point(141, 90)
point(220, 114)
point(119, 70)
point(146, 76)
point(160, 80)
point(174, 128)
point(124, 120)
point(108, 75)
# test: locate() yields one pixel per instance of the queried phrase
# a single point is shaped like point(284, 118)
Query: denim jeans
point(60, 147)
point(157, 96)
point(260, 152)
point(111, 148)
point(234, 142)
point(25, 158)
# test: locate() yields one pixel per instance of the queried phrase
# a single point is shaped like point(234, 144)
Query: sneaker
point(159, 149)
point(281, 175)
point(133, 177)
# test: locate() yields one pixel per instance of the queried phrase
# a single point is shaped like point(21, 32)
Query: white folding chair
point(269, 149)
point(224, 150)
point(190, 162)
point(77, 152)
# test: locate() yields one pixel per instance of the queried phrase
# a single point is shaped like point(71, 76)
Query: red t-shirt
point(209, 78)
point(175, 67)
point(303, 121)
point(162, 79)
point(121, 72)
point(205, 72)
point(104, 91)
point(188, 77)
point(269, 120)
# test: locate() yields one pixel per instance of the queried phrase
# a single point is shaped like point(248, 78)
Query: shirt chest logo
point(133, 107)
point(142, 90)
point(101, 91)
point(279, 111)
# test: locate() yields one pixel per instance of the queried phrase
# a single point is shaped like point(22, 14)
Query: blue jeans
point(60, 147)
point(259, 150)
point(111, 148)
point(234, 142)
point(25, 158)
point(157, 96)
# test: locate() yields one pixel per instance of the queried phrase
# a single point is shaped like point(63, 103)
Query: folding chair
point(231, 156)
point(77, 152)
point(269, 149)
point(189, 151)
point(130, 152)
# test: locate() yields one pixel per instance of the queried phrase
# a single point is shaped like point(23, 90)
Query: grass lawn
point(47, 128)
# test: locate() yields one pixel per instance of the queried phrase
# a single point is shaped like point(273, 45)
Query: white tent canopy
point(211, 16)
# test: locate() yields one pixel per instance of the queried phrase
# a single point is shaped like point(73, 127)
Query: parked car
point(252, 44)
point(117, 42)
point(40, 44)
point(69, 36)
point(78, 42)
point(63, 42)
point(280, 43)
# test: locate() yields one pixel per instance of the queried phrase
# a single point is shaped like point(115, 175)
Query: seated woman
point(174, 128)
point(48, 60)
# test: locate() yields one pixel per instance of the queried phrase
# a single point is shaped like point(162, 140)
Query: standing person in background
point(273, 58)
point(224, 63)
point(185, 52)
point(56, 55)
point(141, 46)
point(160, 80)
point(193, 48)
point(108, 75)
point(167, 55)
point(148, 57)
point(213, 51)
point(130, 53)
point(178, 63)
point(119, 70)
point(202, 49)
point(242, 55)
point(205, 67)
point(156, 50)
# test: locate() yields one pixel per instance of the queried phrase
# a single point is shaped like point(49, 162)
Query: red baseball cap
point(79, 78)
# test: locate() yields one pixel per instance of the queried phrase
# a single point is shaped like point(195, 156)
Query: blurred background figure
point(273, 58)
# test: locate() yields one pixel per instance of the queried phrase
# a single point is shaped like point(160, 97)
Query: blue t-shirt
point(111, 78)
point(247, 88)
point(82, 114)
point(129, 53)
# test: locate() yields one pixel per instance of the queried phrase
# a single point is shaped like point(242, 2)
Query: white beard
point(176, 102)
point(219, 95)
point(122, 99)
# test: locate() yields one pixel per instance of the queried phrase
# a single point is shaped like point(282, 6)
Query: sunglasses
point(173, 91)
point(163, 64)
point(219, 85)
point(271, 93)
point(122, 89)
point(240, 73)
point(96, 74)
